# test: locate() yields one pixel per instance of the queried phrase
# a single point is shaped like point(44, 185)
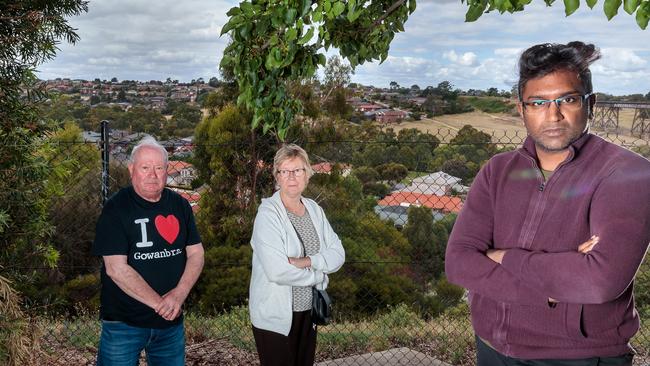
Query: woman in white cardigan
point(294, 248)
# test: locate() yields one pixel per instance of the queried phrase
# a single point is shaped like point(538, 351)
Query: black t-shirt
point(153, 236)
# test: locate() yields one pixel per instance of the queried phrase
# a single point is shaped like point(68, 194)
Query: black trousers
point(488, 356)
point(296, 349)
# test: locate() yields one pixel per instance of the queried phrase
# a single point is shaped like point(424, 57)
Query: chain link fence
point(393, 202)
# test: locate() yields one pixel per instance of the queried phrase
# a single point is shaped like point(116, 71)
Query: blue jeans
point(120, 345)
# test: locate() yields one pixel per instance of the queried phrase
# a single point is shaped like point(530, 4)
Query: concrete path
point(392, 357)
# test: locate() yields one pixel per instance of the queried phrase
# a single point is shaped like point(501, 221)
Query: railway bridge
point(606, 117)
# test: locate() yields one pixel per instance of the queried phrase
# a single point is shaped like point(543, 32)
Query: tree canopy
point(274, 42)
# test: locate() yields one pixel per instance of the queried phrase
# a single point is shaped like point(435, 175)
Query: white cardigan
point(274, 241)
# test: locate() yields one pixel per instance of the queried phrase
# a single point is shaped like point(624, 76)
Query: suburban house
point(390, 115)
point(91, 136)
point(395, 206)
point(326, 168)
point(180, 173)
point(438, 183)
point(370, 107)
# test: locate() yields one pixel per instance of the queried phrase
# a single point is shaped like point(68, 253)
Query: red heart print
point(167, 227)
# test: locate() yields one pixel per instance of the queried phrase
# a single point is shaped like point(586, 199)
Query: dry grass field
point(502, 125)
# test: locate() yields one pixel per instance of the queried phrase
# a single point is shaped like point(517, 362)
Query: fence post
point(105, 160)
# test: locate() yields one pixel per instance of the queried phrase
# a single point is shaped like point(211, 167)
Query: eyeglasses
point(567, 103)
point(295, 172)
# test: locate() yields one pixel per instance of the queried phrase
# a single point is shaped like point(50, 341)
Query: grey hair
point(149, 141)
point(290, 151)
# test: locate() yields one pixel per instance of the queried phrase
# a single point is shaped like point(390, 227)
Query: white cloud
point(466, 59)
point(131, 39)
point(104, 61)
point(622, 59)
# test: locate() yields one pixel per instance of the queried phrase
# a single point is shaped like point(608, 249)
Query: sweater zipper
point(528, 225)
point(527, 239)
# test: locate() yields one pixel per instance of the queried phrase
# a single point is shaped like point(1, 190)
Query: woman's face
point(292, 177)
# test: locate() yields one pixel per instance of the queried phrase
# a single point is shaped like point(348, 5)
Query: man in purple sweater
point(552, 234)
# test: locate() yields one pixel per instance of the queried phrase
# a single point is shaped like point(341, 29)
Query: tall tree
point(234, 162)
point(29, 33)
point(337, 75)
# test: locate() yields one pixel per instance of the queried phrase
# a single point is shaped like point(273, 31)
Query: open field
point(502, 125)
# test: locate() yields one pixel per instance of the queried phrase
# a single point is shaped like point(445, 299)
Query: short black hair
point(543, 59)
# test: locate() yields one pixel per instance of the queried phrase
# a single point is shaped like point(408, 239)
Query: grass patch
point(448, 337)
point(491, 104)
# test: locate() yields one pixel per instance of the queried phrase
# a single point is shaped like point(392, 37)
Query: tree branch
point(390, 11)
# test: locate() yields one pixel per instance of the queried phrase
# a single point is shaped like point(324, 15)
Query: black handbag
point(321, 307)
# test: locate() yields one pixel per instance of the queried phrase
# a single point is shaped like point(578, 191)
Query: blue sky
point(134, 39)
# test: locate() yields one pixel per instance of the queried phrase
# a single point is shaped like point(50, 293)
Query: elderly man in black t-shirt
point(152, 256)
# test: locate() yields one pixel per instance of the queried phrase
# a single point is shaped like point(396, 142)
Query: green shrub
point(82, 292)
point(491, 105)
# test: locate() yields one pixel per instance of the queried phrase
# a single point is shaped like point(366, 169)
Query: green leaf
point(642, 17)
point(282, 134)
point(307, 37)
point(411, 6)
point(591, 3)
point(611, 8)
point(327, 6)
point(233, 11)
point(271, 62)
point(338, 8)
point(256, 120)
point(570, 6)
point(317, 15)
point(267, 126)
point(247, 8)
point(502, 5)
point(630, 6)
point(321, 59)
point(245, 30)
point(290, 15)
point(292, 33)
point(232, 23)
point(475, 10)
point(306, 5)
point(352, 16)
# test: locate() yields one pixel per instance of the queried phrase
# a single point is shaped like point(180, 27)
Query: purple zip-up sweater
point(600, 189)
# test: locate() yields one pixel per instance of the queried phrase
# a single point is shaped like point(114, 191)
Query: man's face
point(554, 128)
point(148, 173)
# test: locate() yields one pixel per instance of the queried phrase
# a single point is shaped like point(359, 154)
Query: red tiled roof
point(193, 198)
point(443, 203)
point(326, 167)
point(322, 167)
point(175, 166)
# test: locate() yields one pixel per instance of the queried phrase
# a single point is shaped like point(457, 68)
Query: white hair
point(151, 142)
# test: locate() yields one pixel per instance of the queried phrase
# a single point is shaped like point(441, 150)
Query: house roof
point(193, 197)
point(175, 166)
point(370, 106)
point(442, 203)
point(439, 178)
point(391, 112)
point(326, 167)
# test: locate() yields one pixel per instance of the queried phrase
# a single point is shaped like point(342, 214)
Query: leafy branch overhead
point(275, 41)
point(610, 7)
